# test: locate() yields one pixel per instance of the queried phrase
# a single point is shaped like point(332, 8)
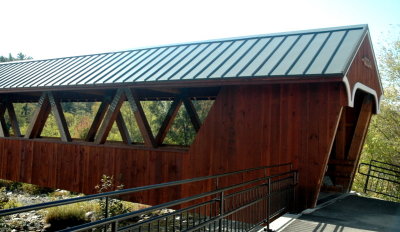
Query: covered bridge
point(303, 97)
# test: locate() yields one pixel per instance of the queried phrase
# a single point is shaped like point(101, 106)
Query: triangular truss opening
point(24, 113)
point(8, 119)
point(79, 117)
point(50, 128)
point(203, 107)
point(129, 132)
point(182, 131)
point(155, 112)
point(48, 104)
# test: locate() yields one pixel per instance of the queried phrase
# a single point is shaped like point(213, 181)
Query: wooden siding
point(248, 126)
point(364, 71)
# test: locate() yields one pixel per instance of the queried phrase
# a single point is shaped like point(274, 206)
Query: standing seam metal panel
point(195, 60)
point(78, 68)
point(43, 72)
point(115, 68)
point(206, 61)
point(308, 54)
point(92, 67)
point(61, 70)
point(319, 52)
point(135, 63)
point(292, 55)
point(100, 70)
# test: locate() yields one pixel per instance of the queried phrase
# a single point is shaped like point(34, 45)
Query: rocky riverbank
point(29, 221)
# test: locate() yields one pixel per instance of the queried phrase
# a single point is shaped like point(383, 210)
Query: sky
point(54, 28)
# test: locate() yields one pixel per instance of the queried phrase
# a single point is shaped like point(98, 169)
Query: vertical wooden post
point(360, 132)
point(141, 120)
point(60, 118)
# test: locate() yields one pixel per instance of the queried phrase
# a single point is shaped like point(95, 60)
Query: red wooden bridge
point(303, 97)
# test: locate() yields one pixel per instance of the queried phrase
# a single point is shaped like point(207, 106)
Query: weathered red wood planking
point(248, 126)
point(363, 69)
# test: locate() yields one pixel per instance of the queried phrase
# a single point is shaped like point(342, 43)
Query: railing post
point(294, 191)
point(367, 180)
point(269, 204)
point(106, 212)
point(106, 208)
point(221, 210)
point(114, 226)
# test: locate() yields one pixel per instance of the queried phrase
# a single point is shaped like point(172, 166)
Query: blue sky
point(46, 29)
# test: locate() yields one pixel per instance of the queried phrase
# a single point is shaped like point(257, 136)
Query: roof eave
point(189, 83)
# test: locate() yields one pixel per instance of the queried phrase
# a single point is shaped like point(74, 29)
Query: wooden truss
point(108, 113)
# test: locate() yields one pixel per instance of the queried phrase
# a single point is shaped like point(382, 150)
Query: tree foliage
point(20, 56)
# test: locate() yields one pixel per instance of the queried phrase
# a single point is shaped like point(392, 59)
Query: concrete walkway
point(344, 214)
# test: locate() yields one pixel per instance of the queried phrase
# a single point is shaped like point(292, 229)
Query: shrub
point(10, 185)
point(115, 207)
point(12, 204)
point(3, 197)
point(24, 187)
point(65, 216)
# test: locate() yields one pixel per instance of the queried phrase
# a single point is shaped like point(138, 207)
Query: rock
point(90, 216)
point(46, 227)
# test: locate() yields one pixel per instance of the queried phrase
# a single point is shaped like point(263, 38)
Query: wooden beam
point(101, 112)
point(361, 128)
point(194, 118)
point(169, 119)
point(340, 139)
point(13, 119)
point(39, 117)
point(123, 130)
point(60, 118)
point(360, 132)
point(110, 117)
point(140, 117)
point(3, 126)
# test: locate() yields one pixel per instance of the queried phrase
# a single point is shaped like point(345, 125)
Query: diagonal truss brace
point(113, 114)
point(3, 127)
point(47, 103)
point(140, 117)
point(4, 131)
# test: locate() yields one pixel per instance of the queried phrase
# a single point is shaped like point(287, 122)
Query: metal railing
point(381, 178)
point(261, 195)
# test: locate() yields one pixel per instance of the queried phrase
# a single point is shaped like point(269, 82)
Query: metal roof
point(321, 52)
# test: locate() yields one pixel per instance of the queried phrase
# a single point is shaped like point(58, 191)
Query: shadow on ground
point(352, 213)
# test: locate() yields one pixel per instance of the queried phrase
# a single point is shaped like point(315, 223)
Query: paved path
point(348, 214)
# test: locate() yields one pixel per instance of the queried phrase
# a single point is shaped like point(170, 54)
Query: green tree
point(20, 56)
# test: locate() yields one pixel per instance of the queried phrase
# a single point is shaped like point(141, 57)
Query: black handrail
point(281, 185)
point(127, 191)
point(377, 177)
point(125, 216)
